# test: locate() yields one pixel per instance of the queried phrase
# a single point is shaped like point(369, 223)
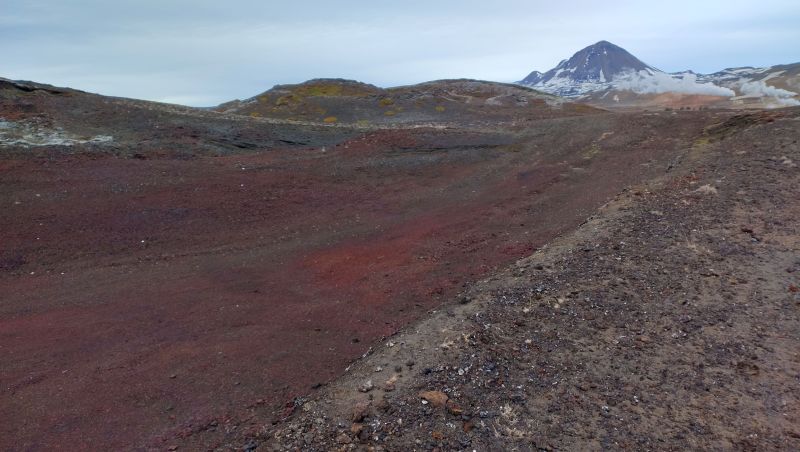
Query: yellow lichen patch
point(593, 150)
point(440, 108)
point(288, 99)
point(582, 108)
point(516, 147)
point(390, 113)
point(322, 89)
point(386, 101)
point(255, 114)
point(701, 142)
point(363, 122)
point(330, 119)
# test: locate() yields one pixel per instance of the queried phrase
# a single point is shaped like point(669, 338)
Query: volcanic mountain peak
point(597, 64)
point(607, 75)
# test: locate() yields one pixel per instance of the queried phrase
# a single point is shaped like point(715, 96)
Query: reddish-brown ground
point(668, 321)
point(144, 299)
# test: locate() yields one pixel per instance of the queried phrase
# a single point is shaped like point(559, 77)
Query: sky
point(202, 53)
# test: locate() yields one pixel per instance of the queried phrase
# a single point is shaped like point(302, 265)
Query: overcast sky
point(202, 53)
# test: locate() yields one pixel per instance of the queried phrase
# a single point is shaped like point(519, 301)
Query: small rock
point(468, 426)
point(390, 384)
point(435, 398)
point(454, 409)
point(343, 439)
point(367, 386)
point(360, 411)
point(707, 190)
point(356, 428)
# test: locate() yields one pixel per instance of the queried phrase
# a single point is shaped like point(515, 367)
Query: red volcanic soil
point(148, 299)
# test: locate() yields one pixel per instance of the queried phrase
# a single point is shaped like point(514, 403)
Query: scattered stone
point(367, 386)
point(706, 190)
point(360, 411)
point(435, 398)
point(468, 426)
point(453, 408)
point(343, 439)
point(390, 384)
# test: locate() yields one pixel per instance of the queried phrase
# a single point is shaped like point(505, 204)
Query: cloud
point(205, 52)
point(643, 82)
point(760, 89)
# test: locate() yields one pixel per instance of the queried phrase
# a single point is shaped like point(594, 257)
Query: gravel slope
point(669, 321)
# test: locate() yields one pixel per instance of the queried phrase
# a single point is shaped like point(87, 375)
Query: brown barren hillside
point(455, 102)
point(182, 278)
point(667, 321)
